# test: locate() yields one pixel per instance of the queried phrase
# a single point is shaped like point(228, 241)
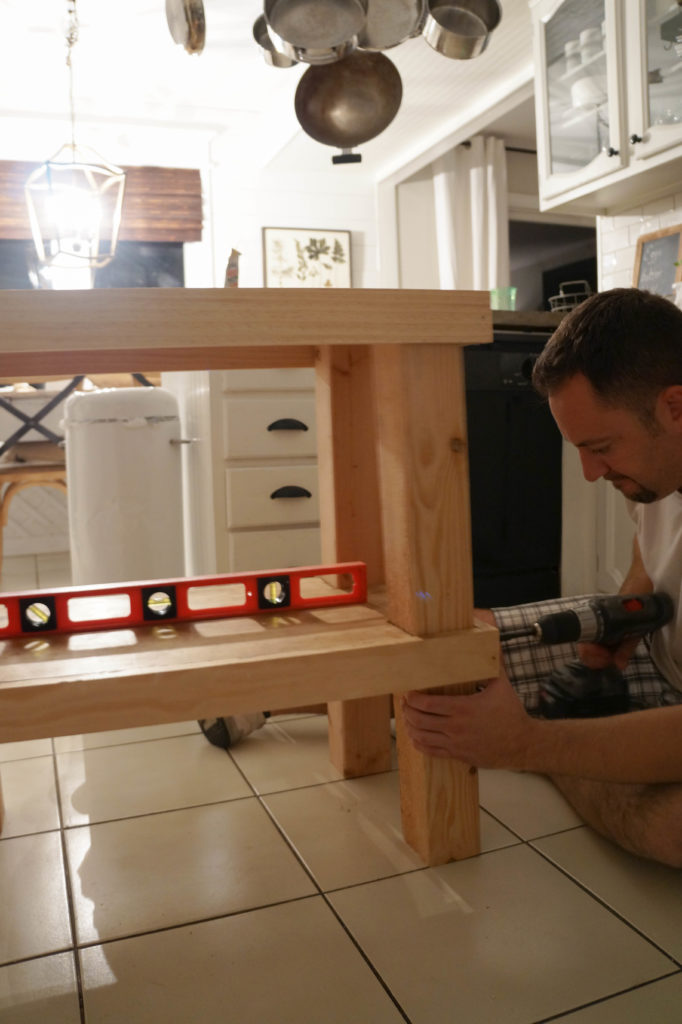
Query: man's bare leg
point(644, 819)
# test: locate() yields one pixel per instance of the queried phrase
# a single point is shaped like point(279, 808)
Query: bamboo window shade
point(160, 204)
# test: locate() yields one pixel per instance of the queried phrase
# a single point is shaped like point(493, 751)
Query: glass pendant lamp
point(75, 198)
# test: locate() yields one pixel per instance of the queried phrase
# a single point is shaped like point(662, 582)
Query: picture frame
point(658, 261)
point(306, 258)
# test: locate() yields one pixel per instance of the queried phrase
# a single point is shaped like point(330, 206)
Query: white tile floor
point(147, 877)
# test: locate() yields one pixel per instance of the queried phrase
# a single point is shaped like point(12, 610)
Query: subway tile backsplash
point(617, 236)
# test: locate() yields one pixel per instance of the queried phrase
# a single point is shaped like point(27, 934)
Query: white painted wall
point(341, 198)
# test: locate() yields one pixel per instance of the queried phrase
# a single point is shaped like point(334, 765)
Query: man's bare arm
point(491, 729)
point(637, 580)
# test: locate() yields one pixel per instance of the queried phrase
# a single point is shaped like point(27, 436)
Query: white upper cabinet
point(655, 82)
point(609, 98)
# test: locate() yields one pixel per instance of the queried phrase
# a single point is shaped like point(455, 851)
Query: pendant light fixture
point(75, 198)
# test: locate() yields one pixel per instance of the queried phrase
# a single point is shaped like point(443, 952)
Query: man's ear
point(669, 407)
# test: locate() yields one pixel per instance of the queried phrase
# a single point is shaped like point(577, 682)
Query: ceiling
point(129, 74)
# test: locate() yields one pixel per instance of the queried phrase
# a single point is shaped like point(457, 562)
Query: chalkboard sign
point(657, 254)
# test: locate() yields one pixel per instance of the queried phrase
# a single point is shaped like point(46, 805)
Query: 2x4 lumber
point(427, 536)
point(360, 735)
point(112, 330)
point(359, 730)
point(224, 667)
point(424, 479)
point(347, 459)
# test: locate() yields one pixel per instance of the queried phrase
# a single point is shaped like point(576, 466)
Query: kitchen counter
point(526, 320)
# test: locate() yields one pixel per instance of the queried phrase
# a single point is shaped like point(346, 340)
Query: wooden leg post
point(427, 534)
point(359, 730)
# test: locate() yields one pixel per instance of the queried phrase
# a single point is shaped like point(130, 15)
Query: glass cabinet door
point(582, 106)
point(659, 123)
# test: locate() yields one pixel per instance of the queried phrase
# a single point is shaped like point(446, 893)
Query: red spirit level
point(119, 605)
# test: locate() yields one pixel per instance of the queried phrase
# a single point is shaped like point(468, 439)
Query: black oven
point(515, 473)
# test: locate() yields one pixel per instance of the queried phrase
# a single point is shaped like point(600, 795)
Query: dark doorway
point(581, 270)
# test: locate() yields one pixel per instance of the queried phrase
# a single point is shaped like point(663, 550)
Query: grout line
point(117, 743)
point(602, 901)
point(154, 814)
point(367, 960)
point(319, 889)
point(69, 890)
point(340, 921)
point(604, 999)
point(37, 956)
point(192, 922)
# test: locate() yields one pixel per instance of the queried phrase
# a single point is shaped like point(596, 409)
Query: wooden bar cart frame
point(393, 476)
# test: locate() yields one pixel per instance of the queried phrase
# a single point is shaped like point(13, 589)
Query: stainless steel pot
point(271, 55)
point(349, 102)
point(390, 22)
point(460, 28)
point(315, 31)
point(187, 23)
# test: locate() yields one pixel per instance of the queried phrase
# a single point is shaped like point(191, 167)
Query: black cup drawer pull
point(291, 491)
point(287, 424)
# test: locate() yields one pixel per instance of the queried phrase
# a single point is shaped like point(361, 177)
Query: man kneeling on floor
point(612, 373)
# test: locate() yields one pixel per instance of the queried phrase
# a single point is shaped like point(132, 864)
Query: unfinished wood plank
point(424, 476)
point(89, 682)
point(127, 361)
point(347, 459)
point(360, 735)
point(438, 799)
point(112, 329)
point(427, 535)
point(359, 730)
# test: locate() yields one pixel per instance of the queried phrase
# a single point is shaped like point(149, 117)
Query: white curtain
point(472, 216)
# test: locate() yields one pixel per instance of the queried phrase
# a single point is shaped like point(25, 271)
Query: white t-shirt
point(659, 531)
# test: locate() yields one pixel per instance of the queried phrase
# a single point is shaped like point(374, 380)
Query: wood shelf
point(56, 685)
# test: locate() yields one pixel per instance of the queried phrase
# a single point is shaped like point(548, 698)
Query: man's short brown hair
point(626, 342)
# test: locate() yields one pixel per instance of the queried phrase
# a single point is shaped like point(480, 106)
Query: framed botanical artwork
point(306, 258)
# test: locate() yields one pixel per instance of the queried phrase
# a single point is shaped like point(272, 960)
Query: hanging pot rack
point(351, 90)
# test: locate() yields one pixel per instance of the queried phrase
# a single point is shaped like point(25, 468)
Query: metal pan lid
point(187, 23)
point(316, 24)
point(390, 22)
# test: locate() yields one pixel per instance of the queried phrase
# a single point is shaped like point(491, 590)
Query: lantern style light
point(75, 198)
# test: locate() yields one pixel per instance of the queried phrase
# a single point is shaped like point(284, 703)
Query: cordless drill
point(574, 690)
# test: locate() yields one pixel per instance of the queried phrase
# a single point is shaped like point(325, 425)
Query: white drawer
point(250, 427)
point(285, 379)
point(249, 501)
point(274, 549)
